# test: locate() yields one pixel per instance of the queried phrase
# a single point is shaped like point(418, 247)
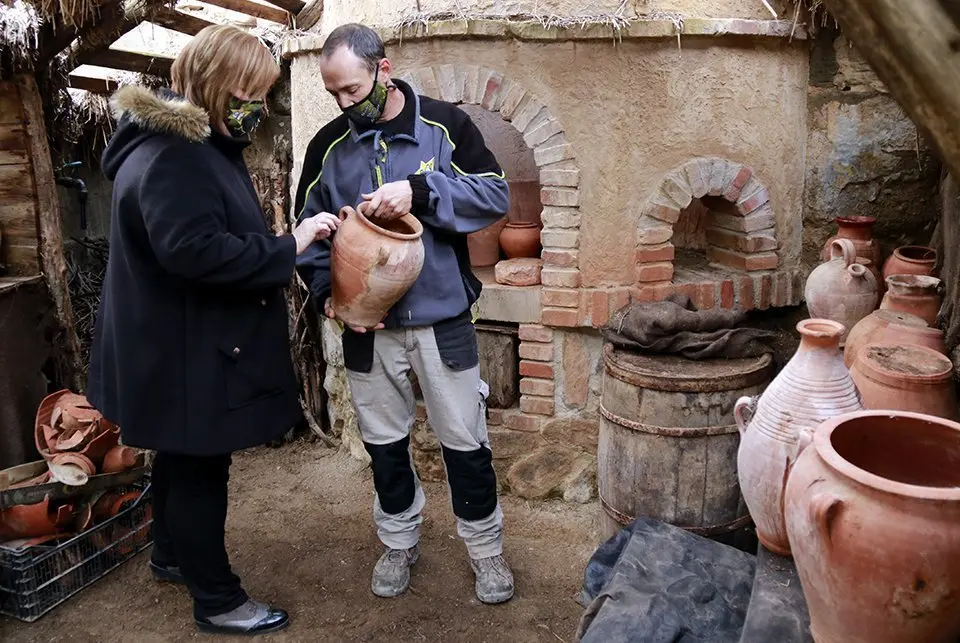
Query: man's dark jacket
point(191, 352)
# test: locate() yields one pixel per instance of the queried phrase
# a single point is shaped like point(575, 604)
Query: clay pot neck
point(900, 453)
point(522, 224)
point(819, 334)
point(859, 228)
point(406, 228)
point(912, 285)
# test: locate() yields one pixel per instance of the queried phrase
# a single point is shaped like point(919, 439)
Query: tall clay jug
point(373, 265)
point(873, 515)
point(813, 386)
point(841, 289)
point(859, 230)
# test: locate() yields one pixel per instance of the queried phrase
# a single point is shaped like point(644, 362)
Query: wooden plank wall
point(18, 190)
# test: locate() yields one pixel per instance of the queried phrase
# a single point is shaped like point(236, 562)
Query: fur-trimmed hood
point(142, 114)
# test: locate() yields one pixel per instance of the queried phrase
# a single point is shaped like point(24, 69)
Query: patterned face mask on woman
point(243, 116)
point(369, 110)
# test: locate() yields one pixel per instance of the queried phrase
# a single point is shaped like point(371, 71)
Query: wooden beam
point(179, 21)
point(310, 15)
point(91, 84)
point(253, 9)
point(293, 6)
point(913, 47)
point(52, 261)
point(132, 61)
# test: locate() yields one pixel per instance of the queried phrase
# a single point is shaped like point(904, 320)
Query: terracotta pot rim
point(820, 328)
point(872, 369)
point(927, 254)
point(409, 219)
point(522, 224)
point(900, 318)
point(824, 448)
point(855, 221)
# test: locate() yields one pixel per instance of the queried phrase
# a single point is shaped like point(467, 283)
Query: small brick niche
point(709, 231)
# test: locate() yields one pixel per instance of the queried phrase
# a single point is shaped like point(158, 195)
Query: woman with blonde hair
point(191, 355)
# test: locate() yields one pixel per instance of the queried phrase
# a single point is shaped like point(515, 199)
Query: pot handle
point(824, 510)
point(345, 212)
point(743, 412)
point(847, 250)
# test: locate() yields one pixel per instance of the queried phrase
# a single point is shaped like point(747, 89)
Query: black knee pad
point(473, 482)
point(392, 475)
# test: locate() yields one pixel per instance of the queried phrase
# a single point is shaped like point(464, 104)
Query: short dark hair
point(363, 41)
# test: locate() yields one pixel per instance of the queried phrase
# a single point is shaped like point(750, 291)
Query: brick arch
point(553, 154)
point(742, 238)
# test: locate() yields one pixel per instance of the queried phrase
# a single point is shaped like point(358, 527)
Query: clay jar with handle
point(915, 294)
point(372, 265)
point(520, 240)
point(905, 377)
point(841, 289)
point(484, 245)
point(910, 260)
point(876, 326)
point(859, 230)
point(873, 514)
point(813, 386)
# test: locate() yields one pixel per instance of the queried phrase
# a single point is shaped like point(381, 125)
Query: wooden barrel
point(668, 440)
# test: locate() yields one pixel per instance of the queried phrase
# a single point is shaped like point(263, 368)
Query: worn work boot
point(391, 575)
point(494, 579)
point(250, 618)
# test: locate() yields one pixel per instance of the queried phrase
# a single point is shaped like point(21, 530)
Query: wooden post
point(53, 264)
point(912, 46)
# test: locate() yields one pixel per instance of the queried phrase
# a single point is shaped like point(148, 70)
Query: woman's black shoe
point(250, 618)
point(167, 574)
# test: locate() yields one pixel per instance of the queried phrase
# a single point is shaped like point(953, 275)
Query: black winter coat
point(191, 352)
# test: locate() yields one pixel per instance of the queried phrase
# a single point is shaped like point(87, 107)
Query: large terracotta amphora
point(813, 386)
point(373, 264)
point(873, 515)
point(841, 289)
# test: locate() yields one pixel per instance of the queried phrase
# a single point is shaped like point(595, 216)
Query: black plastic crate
point(34, 580)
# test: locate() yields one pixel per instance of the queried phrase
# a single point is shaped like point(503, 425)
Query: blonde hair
point(218, 61)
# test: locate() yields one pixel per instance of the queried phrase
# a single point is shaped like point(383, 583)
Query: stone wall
point(864, 155)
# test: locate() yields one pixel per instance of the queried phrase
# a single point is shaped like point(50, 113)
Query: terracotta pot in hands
point(372, 265)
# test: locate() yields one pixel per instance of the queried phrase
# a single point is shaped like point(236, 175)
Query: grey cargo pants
point(445, 361)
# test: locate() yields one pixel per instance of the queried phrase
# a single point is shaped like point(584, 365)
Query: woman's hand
point(313, 229)
point(331, 313)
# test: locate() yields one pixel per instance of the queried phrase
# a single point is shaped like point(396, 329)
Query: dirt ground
point(300, 535)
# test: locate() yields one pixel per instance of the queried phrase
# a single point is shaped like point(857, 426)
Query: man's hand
point(313, 229)
point(390, 201)
point(328, 310)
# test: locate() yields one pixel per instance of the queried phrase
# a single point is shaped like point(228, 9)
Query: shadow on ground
point(300, 534)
